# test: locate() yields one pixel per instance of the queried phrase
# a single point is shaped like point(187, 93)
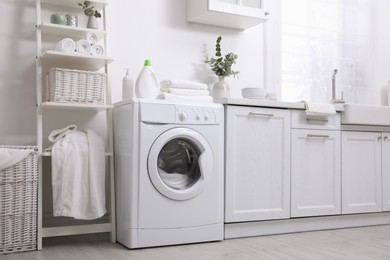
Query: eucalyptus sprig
point(222, 65)
point(89, 10)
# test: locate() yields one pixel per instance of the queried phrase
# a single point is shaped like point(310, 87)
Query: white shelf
point(48, 154)
point(99, 4)
point(69, 31)
point(75, 107)
point(94, 62)
point(76, 230)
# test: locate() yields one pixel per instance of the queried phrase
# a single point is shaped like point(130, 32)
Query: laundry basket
point(76, 86)
point(18, 204)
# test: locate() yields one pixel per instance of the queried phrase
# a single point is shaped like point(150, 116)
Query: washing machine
point(169, 172)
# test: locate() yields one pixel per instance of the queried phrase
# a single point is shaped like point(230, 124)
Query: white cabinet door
point(361, 172)
point(386, 171)
point(315, 173)
point(257, 164)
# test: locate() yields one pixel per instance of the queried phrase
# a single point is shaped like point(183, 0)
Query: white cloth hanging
point(78, 175)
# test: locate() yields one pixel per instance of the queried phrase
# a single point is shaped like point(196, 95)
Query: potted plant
point(222, 66)
point(91, 13)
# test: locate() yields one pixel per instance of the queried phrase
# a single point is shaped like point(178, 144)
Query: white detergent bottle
point(127, 86)
point(146, 85)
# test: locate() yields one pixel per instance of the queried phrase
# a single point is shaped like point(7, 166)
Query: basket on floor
point(18, 204)
point(76, 86)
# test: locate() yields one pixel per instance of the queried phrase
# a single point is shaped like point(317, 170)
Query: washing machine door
point(180, 163)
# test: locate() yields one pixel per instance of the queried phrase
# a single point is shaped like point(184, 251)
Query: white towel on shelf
point(317, 109)
point(186, 84)
point(91, 37)
point(10, 157)
point(78, 176)
point(198, 99)
point(186, 92)
point(97, 50)
point(83, 47)
point(66, 45)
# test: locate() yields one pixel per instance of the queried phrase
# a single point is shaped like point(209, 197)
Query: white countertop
point(268, 103)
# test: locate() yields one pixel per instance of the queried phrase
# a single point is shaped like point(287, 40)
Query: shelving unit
point(46, 59)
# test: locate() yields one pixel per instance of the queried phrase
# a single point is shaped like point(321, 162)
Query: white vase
point(92, 22)
point(221, 88)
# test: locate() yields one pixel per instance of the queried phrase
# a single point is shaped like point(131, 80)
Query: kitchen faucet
point(334, 99)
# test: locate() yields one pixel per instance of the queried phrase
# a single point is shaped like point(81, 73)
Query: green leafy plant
point(89, 10)
point(222, 65)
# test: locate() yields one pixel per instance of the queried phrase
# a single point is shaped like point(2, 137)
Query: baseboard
point(273, 227)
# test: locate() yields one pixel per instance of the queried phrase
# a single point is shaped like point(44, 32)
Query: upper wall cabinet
point(237, 14)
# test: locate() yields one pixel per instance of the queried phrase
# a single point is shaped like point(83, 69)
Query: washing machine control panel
point(196, 115)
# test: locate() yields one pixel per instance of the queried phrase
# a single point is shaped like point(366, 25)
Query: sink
point(356, 114)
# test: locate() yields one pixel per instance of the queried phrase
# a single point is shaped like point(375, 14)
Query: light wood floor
point(366, 243)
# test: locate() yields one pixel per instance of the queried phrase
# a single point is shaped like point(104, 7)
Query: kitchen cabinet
point(257, 163)
point(315, 165)
point(52, 115)
point(315, 173)
point(386, 171)
point(361, 172)
point(236, 14)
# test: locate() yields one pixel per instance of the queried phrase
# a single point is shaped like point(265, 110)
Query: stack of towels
point(184, 90)
point(87, 46)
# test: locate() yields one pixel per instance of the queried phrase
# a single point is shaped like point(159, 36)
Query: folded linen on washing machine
point(78, 175)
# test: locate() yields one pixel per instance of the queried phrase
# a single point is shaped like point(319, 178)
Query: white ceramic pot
point(92, 22)
point(221, 88)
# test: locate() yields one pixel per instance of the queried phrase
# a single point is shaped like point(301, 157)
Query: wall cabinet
point(237, 14)
point(361, 172)
point(257, 163)
point(56, 115)
point(315, 173)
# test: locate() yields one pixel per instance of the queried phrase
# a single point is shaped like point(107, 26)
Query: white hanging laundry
point(78, 175)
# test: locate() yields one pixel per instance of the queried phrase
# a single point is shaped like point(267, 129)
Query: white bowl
point(253, 92)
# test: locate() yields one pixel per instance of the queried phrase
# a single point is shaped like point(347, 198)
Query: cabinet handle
point(317, 136)
point(317, 119)
point(379, 138)
point(260, 114)
point(385, 138)
point(266, 13)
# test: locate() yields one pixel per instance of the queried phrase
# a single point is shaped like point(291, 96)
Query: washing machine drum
point(179, 163)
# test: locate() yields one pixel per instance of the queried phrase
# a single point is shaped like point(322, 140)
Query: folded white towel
point(179, 83)
point(10, 156)
point(78, 176)
point(66, 45)
point(186, 92)
point(97, 50)
point(198, 99)
point(83, 47)
point(316, 109)
point(56, 135)
point(91, 37)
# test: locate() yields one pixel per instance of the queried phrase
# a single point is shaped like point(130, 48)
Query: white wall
point(17, 72)
point(158, 30)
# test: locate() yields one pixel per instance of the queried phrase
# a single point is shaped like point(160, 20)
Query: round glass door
point(179, 163)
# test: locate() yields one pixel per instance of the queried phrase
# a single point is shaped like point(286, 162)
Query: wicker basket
point(18, 204)
point(76, 86)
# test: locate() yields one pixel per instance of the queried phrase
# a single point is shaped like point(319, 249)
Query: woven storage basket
point(18, 204)
point(76, 86)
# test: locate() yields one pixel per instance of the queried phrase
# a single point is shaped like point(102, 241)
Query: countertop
point(269, 103)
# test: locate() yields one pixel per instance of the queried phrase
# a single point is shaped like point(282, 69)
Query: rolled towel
point(179, 83)
point(91, 37)
point(186, 92)
point(197, 99)
point(83, 47)
point(97, 50)
point(315, 109)
point(10, 157)
point(66, 45)
point(56, 135)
